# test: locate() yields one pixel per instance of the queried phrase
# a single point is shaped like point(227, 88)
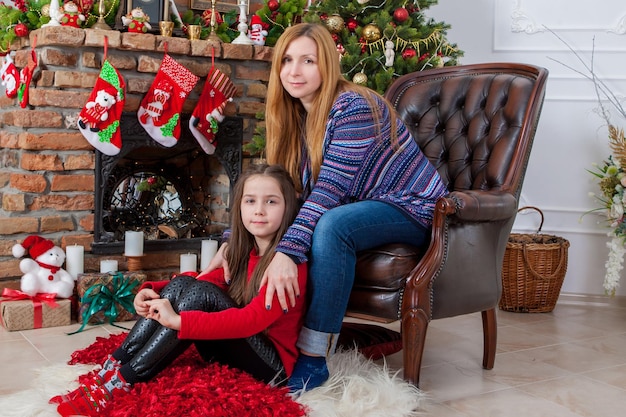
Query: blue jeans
point(339, 235)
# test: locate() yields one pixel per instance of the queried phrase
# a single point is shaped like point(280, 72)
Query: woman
point(229, 324)
point(362, 178)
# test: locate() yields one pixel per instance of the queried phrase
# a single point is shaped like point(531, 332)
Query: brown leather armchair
point(476, 124)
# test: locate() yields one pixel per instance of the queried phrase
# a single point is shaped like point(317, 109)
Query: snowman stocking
point(218, 91)
point(99, 120)
point(26, 75)
point(10, 77)
point(159, 112)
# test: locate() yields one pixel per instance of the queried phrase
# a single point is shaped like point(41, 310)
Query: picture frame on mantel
point(220, 6)
point(153, 8)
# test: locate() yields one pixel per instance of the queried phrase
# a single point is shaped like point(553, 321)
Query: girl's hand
point(140, 301)
point(219, 261)
point(281, 277)
point(161, 310)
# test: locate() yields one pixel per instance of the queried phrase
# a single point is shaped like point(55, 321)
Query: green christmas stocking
point(159, 112)
point(99, 120)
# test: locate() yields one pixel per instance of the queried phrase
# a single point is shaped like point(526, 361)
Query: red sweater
point(237, 323)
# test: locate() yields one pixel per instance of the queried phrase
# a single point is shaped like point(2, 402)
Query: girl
point(227, 323)
point(363, 179)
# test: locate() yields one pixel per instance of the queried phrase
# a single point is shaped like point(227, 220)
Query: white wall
point(571, 136)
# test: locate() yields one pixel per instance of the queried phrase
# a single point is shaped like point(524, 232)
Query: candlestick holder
point(213, 35)
point(242, 27)
point(134, 263)
point(101, 23)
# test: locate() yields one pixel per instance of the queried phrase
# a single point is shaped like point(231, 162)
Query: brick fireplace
point(48, 176)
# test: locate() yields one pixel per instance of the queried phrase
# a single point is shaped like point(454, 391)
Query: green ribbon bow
point(101, 298)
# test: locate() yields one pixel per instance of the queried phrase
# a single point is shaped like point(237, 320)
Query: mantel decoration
point(378, 40)
point(611, 173)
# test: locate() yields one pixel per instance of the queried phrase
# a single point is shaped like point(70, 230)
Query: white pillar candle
point(133, 245)
point(188, 262)
point(108, 265)
point(209, 249)
point(75, 260)
point(166, 11)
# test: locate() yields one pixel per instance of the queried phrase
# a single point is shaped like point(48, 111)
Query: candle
point(108, 265)
point(133, 245)
point(209, 249)
point(188, 262)
point(74, 260)
point(166, 11)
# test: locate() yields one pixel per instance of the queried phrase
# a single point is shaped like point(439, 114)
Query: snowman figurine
point(256, 33)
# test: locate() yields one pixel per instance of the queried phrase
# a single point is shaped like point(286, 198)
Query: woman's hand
point(140, 301)
point(219, 261)
point(281, 277)
point(161, 310)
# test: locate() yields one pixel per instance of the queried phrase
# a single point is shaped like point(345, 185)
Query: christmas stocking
point(99, 120)
point(26, 75)
point(159, 112)
point(10, 77)
point(218, 91)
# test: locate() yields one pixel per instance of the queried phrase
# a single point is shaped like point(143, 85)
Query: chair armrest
point(477, 205)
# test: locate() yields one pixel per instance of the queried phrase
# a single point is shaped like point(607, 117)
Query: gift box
point(107, 297)
point(43, 310)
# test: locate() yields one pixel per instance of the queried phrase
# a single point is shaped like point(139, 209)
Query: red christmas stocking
point(26, 75)
point(10, 77)
point(218, 91)
point(159, 112)
point(99, 120)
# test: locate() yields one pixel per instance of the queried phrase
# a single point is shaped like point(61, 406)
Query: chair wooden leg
point(414, 326)
point(490, 335)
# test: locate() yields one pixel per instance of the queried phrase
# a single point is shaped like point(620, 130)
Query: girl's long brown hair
point(285, 116)
point(241, 242)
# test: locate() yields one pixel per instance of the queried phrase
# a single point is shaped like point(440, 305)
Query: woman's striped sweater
point(359, 163)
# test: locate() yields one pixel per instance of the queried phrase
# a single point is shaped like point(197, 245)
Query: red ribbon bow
point(48, 298)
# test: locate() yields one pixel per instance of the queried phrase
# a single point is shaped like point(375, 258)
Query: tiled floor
point(568, 363)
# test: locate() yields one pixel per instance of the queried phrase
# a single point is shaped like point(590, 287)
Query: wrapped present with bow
point(20, 311)
point(107, 298)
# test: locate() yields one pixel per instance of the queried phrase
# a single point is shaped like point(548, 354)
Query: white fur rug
point(357, 387)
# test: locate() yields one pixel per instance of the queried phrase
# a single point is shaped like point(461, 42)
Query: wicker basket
point(533, 271)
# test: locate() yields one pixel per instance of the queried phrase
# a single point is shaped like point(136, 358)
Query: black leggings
point(150, 347)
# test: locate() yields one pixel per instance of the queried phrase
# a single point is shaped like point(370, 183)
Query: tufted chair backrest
point(468, 121)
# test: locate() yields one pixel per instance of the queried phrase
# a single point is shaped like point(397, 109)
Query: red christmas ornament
point(400, 15)
point(273, 5)
point(20, 30)
point(335, 37)
point(409, 53)
point(352, 24)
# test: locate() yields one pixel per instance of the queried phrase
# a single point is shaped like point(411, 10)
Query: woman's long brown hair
point(241, 242)
point(285, 116)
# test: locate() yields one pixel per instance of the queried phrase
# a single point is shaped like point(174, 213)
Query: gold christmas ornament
point(360, 78)
point(371, 33)
point(335, 23)
point(45, 10)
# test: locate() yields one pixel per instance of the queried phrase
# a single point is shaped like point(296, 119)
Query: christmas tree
point(379, 40)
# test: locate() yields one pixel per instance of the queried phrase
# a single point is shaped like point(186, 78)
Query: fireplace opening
point(177, 196)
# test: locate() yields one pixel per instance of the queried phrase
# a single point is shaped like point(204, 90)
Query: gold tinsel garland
point(402, 44)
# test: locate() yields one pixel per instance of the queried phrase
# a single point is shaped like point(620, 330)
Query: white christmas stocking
point(10, 77)
point(159, 112)
point(99, 120)
point(217, 92)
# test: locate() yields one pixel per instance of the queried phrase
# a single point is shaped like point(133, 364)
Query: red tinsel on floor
point(192, 387)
